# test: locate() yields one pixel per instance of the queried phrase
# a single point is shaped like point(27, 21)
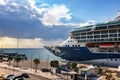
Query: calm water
point(40, 53)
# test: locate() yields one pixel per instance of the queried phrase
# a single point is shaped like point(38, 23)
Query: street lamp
point(85, 75)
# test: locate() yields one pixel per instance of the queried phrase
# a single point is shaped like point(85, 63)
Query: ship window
point(78, 45)
point(89, 33)
point(113, 35)
point(73, 45)
point(96, 32)
point(103, 36)
point(101, 27)
point(113, 31)
point(97, 36)
point(111, 59)
point(115, 59)
point(83, 33)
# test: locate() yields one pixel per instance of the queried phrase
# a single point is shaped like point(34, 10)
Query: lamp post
point(31, 61)
point(85, 75)
point(48, 61)
point(13, 67)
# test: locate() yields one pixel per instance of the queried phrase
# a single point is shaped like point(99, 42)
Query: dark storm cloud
point(19, 24)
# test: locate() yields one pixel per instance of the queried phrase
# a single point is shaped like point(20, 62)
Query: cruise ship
point(93, 44)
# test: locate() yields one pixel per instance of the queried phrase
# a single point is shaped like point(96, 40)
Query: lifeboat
point(119, 45)
point(106, 45)
point(90, 45)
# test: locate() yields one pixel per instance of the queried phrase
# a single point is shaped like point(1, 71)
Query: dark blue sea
point(31, 53)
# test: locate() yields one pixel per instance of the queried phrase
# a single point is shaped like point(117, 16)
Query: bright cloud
point(44, 5)
point(3, 2)
point(39, 10)
point(54, 14)
point(51, 15)
point(28, 19)
point(48, 15)
point(89, 22)
point(32, 3)
point(8, 42)
point(15, 4)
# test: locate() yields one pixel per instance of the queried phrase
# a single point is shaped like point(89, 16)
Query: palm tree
point(108, 75)
point(100, 70)
point(74, 65)
point(10, 58)
point(36, 62)
point(54, 63)
point(17, 59)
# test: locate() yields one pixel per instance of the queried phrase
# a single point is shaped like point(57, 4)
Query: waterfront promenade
point(25, 67)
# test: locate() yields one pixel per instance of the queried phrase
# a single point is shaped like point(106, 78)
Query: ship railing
point(106, 52)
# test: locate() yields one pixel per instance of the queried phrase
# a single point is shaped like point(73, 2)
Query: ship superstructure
point(99, 43)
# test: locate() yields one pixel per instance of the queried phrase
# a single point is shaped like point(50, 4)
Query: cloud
point(54, 15)
point(44, 5)
point(46, 14)
point(19, 19)
point(89, 22)
point(51, 15)
point(52, 42)
point(32, 3)
point(27, 20)
point(3, 2)
point(8, 42)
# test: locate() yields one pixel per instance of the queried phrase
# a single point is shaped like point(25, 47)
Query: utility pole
point(48, 61)
point(31, 61)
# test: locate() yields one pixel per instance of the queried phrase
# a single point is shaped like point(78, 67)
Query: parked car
point(23, 76)
point(9, 76)
point(45, 70)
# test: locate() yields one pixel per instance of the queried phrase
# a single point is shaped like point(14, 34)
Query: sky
point(37, 23)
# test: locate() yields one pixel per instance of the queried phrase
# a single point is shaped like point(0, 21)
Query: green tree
point(10, 58)
point(108, 75)
point(36, 62)
point(54, 63)
point(17, 60)
point(100, 70)
point(74, 65)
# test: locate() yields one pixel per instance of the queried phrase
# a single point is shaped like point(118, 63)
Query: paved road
point(5, 71)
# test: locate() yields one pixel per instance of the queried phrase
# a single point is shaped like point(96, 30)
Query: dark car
point(45, 70)
point(23, 76)
point(9, 76)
